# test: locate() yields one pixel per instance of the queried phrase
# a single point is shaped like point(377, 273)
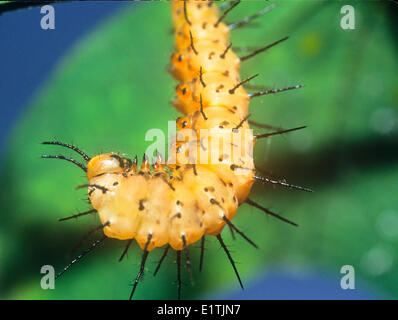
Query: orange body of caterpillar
point(197, 198)
point(210, 169)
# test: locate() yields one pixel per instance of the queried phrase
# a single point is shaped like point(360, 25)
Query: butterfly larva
point(179, 203)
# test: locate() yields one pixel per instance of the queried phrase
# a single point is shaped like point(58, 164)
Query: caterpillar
point(196, 193)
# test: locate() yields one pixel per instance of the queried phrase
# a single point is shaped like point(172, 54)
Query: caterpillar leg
point(142, 266)
point(221, 241)
point(126, 249)
point(229, 223)
point(78, 215)
point(249, 19)
point(187, 259)
point(166, 250)
point(267, 211)
point(178, 252)
point(202, 252)
point(90, 232)
point(93, 246)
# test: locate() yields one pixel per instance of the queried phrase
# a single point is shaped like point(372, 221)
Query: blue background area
point(29, 53)
point(288, 285)
point(27, 56)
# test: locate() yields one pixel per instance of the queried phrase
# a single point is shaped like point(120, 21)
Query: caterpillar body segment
point(186, 63)
point(192, 12)
point(209, 73)
point(138, 203)
point(216, 92)
point(202, 33)
point(201, 43)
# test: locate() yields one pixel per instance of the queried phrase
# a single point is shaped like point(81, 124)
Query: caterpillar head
point(109, 163)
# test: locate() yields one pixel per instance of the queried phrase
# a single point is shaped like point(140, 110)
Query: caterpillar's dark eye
point(184, 90)
point(180, 57)
point(184, 124)
point(128, 164)
point(119, 159)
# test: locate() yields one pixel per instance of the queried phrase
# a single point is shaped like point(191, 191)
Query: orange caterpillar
point(179, 203)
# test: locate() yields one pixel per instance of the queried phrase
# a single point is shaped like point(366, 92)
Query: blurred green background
point(112, 86)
